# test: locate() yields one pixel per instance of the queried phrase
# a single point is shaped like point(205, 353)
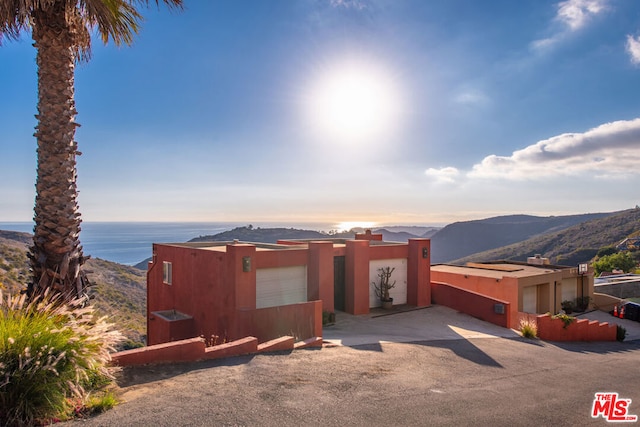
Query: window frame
point(167, 273)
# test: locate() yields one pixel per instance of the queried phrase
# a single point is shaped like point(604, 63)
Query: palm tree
point(61, 31)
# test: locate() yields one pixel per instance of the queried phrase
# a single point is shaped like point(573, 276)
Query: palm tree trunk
point(56, 255)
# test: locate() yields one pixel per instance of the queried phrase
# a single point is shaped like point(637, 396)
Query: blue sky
point(389, 112)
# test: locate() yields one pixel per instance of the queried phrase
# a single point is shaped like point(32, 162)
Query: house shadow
point(144, 374)
point(601, 347)
point(437, 327)
point(461, 347)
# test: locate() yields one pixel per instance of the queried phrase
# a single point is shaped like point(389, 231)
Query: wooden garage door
point(281, 286)
point(530, 299)
point(399, 293)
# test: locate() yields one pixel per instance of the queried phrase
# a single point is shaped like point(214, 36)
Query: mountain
point(261, 235)
point(461, 239)
point(272, 235)
point(118, 291)
point(404, 233)
point(570, 246)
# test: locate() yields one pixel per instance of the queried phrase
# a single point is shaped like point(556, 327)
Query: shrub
point(50, 353)
point(621, 333)
point(528, 328)
point(566, 319)
point(567, 306)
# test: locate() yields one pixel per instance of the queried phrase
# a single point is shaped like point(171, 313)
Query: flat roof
point(495, 270)
point(222, 246)
point(615, 279)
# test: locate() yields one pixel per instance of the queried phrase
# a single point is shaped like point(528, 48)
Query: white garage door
point(568, 290)
point(399, 275)
point(530, 299)
point(281, 286)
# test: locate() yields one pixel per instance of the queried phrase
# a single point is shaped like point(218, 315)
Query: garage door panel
point(568, 291)
point(529, 299)
point(281, 286)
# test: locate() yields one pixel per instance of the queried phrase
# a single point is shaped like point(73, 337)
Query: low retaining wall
point(555, 329)
point(605, 302)
point(194, 349)
point(472, 303)
point(191, 349)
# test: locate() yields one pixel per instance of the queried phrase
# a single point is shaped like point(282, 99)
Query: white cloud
point(577, 13)
point(443, 175)
point(355, 4)
point(573, 15)
point(472, 97)
point(633, 48)
point(611, 150)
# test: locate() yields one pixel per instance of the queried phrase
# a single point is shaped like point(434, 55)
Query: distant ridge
point(261, 235)
point(272, 235)
point(461, 239)
point(570, 246)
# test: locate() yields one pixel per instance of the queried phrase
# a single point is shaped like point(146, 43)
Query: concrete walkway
point(432, 324)
point(403, 325)
point(633, 328)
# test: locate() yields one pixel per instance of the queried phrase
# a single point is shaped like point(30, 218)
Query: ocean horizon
point(130, 243)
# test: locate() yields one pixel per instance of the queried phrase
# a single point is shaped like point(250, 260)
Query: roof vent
point(537, 260)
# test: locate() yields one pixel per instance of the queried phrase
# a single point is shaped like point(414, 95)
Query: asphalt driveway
point(447, 369)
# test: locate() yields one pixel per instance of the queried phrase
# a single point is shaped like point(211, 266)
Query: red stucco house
point(224, 291)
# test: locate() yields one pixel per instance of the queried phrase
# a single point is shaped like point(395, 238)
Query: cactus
point(382, 288)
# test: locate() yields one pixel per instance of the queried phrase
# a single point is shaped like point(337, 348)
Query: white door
point(530, 299)
point(399, 275)
point(281, 286)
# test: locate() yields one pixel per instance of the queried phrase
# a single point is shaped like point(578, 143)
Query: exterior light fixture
point(246, 264)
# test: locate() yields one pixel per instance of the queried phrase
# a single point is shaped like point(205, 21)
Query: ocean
point(130, 242)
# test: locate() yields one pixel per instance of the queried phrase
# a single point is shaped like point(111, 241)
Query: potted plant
point(567, 306)
point(384, 285)
point(582, 303)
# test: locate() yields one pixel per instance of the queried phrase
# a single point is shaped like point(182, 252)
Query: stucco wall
point(471, 303)
point(620, 290)
point(505, 289)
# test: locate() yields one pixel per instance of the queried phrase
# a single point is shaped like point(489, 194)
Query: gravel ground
point(476, 381)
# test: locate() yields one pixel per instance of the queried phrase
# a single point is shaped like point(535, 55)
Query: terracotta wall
point(183, 351)
point(505, 289)
point(472, 303)
point(359, 254)
point(198, 289)
point(169, 330)
point(554, 329)
point(357, 277)
point(320, 274)
point(213, 286)
point(301, 321)
point(419, 272)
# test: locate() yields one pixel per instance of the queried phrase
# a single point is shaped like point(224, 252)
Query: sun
point(350, 225)
point(354, 102)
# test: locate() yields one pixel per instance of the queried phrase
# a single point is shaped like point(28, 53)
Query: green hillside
point(119, 291)
point(570, 246)
point(462, 239)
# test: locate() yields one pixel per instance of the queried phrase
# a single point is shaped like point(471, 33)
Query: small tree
point(383, 286)
point(621, 260)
